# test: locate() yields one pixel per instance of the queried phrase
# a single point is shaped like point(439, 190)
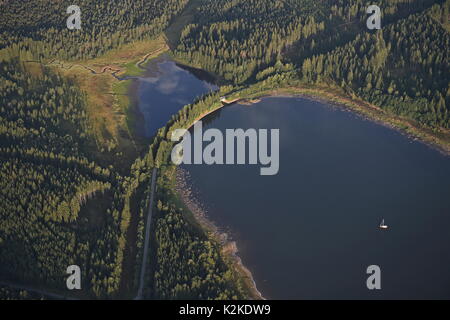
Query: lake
point(165, 88)
point(311, 231)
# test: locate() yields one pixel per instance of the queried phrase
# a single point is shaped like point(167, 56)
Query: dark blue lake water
point(311, 231)
point(165, 89)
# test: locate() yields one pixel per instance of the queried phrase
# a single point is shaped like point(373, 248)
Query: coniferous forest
point(247, 41)
point(48, 176)
point(65, 201)
point(37, 30)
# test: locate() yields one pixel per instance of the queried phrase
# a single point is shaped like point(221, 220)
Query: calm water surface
point(312, 230)
point(165, 89)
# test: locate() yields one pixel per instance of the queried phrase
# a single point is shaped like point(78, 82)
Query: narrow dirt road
point(144, 258)
point(147, 238)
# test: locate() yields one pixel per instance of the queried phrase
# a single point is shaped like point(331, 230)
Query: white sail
point(383, 225)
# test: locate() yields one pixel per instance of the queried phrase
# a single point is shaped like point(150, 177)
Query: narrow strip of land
point(147, 238)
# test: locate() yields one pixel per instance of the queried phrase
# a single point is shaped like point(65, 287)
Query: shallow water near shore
point(311, 231)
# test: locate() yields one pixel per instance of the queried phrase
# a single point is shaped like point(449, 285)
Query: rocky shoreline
point(229, 247)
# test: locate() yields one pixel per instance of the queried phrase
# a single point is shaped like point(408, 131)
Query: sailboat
point(383, 225)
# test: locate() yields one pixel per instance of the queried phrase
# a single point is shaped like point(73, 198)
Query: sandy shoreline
point(229, 247)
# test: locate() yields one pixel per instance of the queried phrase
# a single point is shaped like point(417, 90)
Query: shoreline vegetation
point(440, 141)
point(326, 95)
point(115, 119)
point(112, 112)
point(247, 97)
point(229, 247)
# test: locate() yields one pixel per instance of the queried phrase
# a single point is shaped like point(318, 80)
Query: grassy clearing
point(108, 104)
point(128, 56)
point(35, 69)
point(103, 121)
point(132, 69)
point(122, 100)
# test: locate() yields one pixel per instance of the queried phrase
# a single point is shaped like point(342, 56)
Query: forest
point(37, 30)
point(248, 41)
point(261, 45)
point(47, 176)
point(374, 67)
point(188, 264)
point(8, 293)
point(236, 38)
point(63, 201)
point(67, 201)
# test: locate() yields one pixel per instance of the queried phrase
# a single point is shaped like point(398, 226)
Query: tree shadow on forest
point(173, 32)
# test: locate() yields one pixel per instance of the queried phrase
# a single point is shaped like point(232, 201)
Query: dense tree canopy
point(188, 265)
point(249, 41)
point(64, 204)
point(237, 38)
point(59, 205)
point(38, 28)
point(403, 68)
